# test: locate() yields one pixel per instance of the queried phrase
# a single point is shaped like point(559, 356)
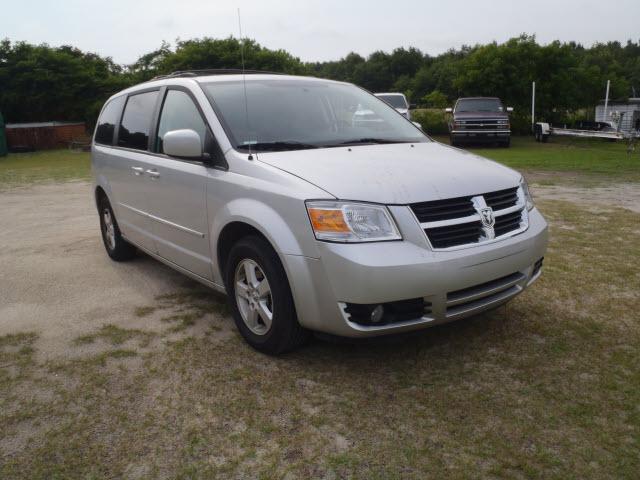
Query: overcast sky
point(314, 30)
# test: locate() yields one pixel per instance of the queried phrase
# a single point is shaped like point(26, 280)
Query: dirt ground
point(57, 281)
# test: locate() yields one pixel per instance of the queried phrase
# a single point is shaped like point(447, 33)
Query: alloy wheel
point(253, 296)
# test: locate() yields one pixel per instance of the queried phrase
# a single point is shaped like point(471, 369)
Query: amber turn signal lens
point(324, 220)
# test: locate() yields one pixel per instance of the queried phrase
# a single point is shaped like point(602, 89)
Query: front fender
point(293, 237)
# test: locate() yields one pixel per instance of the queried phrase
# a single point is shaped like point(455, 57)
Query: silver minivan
point(264, 186)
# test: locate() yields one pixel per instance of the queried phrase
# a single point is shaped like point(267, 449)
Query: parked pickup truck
point(397, 101)
point(479, 119)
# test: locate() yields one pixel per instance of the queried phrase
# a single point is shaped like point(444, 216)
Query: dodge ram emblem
point(486, 217)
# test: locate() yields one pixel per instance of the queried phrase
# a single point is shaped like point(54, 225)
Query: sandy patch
point(625, 195)
point(56, 279)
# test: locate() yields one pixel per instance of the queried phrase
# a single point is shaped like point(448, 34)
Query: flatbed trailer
point(543, 131)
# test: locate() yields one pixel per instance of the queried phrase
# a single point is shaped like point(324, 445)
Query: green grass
point(592, 158)
point(44, 166)
point(546, 387)
point(116, 336)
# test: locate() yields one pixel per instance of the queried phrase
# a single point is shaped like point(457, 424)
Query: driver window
point(179, 112)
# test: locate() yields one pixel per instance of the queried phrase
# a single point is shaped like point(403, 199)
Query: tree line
point(39, 82)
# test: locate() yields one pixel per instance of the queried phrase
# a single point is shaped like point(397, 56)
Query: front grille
point(479, 124)
point(454, 222)
point(453, 235)
point(507, 223)
point(443, 209)
point(394, 312)
point(502, 198)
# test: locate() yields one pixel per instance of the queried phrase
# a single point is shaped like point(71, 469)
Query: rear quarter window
point(108, 120)
point(135, 126)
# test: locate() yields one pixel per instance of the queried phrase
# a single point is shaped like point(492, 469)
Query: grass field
point(591, 159)
point(546, 387)
point(588, 159)
point(43, 166)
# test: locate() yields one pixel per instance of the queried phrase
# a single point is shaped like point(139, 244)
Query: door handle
point(153, 173)
point(137, 170)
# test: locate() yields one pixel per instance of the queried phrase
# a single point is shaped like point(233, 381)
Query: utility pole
point(606, 100)
point(533, 106)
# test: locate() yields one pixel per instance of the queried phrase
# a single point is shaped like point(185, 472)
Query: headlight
point(351, 222)
point(527, 195)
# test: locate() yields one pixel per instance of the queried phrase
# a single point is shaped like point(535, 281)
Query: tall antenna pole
point(533, 106)
point(244, 85)
point(606, 100)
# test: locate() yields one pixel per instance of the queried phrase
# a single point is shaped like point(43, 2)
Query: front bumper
point(392, 271)
point(480, 135)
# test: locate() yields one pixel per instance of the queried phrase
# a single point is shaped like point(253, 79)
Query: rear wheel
point(260, 297)
point(506, 144)
point(117, 247)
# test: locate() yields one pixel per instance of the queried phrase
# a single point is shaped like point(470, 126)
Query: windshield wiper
point(277, 146)
point(371, 140)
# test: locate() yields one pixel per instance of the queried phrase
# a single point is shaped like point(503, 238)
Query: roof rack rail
point(213, 71)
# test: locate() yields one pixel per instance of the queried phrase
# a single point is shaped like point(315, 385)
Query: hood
point(396, 173)
point(465, 115)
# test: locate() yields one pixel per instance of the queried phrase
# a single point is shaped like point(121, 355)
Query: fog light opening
point(377, 314)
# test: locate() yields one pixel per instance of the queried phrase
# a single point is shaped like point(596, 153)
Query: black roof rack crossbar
point(213, 71)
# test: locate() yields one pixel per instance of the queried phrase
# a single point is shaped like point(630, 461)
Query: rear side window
point(107, 122)
point(136, 120)
point(179, 112)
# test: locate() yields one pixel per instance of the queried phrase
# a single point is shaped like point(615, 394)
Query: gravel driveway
point(56, 279)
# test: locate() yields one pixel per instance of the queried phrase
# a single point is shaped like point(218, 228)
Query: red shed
point(43, 135)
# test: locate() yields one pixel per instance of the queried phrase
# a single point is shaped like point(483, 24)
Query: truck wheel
point(117, 247)
point(260, 298)
point(506, 144)
point(452, 141)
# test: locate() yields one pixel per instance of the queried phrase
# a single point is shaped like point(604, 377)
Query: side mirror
point(412, 106)
point(183, 144)
point(509, 109)
point(448, 110)
point(416, 124)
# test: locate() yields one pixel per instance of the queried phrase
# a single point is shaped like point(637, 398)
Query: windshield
point(291, 114)
point(396, 101)
point(479, 105)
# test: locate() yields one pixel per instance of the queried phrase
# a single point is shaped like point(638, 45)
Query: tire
point(117, 247)
point(506, 144)
point(252, 304)
point(452, 141)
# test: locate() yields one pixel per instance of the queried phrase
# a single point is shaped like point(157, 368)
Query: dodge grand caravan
point(263, 187)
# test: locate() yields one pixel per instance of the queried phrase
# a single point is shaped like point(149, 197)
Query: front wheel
point(260, 298)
